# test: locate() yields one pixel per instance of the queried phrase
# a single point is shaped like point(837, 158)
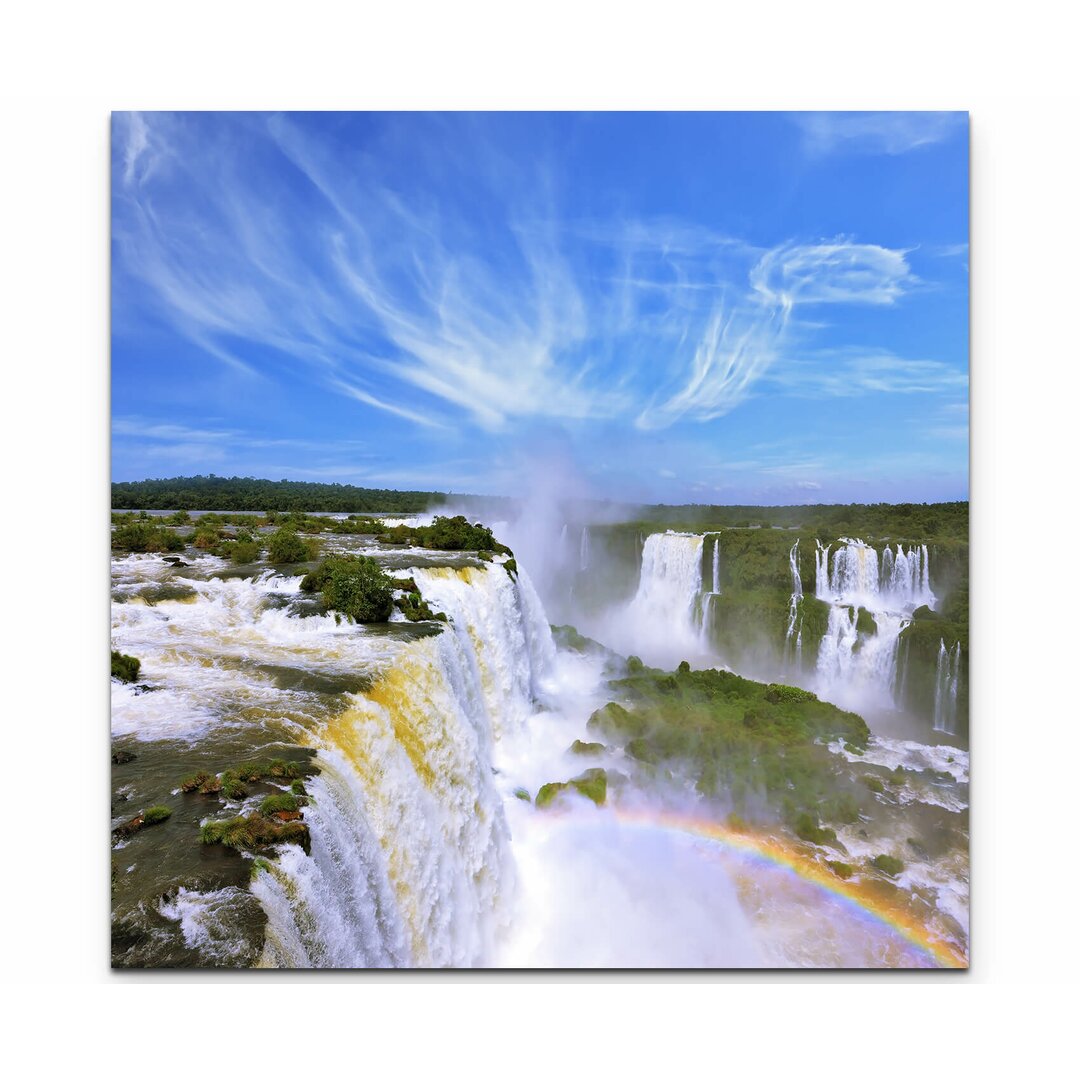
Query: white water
point(663, 621)
point(413, 812)
point(583, 561)
point(793, 656)
point(946, 689)
point(855, 669)
point(409, 862)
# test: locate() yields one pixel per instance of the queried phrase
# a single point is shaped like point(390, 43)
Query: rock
point(122, 757)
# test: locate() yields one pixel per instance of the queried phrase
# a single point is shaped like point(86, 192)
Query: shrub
point(775, 693)
point(125, 668)
point(251, 832)
point(286, 546)
point(358, 587)
point(156, 814)
point(245, 550)
point(887, 864)
point(274, 804)
point(840, 869)
point(142, 536)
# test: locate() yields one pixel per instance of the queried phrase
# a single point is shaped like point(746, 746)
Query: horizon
point(729, 309)
point(523, 498)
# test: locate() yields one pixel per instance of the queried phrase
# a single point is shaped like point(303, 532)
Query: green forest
point(246, 493)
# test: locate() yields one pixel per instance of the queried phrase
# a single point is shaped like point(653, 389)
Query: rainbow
point(770, 850)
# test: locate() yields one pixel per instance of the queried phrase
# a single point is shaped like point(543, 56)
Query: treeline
point(246, 493)
point(895, 521)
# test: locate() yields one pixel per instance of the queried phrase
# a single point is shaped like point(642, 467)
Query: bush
point(887, 864)
point(125, 668)
point(156, 814)
point(286, 546)
point(245, 550)
point(357, 586)
point(252, 832)
point(142, 536)
point(274, 804)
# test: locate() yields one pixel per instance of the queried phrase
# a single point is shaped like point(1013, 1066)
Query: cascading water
point(708, 599)
point(861, 667)
point(947, 688)
point(583, 562)
point(793, 656)
point(409, 861)
point(664, 619)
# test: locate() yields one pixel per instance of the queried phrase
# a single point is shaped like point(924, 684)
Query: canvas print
point(539, 540)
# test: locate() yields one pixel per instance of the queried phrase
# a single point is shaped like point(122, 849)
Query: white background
point(63, 67)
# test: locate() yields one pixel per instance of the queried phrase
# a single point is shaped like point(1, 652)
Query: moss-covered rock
point(613, 720)
point(253, 832)
point(285, 802)
point(592, 784)
point(156, 814)
point(874, 784)
point(865, 623)
point(124, 667)
point(840, 869)
point(592, 748)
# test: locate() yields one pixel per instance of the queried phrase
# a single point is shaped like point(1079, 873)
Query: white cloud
point(853, 372)
point(876, 132)
point(838, 272)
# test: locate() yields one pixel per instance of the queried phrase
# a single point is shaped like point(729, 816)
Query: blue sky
point(723, 308)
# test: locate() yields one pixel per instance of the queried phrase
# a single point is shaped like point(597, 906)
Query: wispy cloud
point(837, 272)
point(274, 253)
point(852, 372)
point(876, 132)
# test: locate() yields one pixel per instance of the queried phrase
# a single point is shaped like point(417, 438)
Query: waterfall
point(409, 859)
point(583, 562)
point(821, 571)
point(716, 566)
point(793, 611)
point(890, 587)
point(665, 614)
point(856, 667)
point(947, 688)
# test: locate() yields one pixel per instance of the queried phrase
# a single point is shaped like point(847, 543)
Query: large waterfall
point(409, 861)
point(860, 666)
point(664, 619)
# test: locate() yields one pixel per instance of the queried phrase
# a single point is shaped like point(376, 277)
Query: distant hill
point(246, 493)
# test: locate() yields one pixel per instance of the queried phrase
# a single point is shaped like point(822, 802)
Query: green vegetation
point(287, 546)
point(355, 585)
point(246, 493)
point(446, 534)
point(142, 536)
point(592, 784)
point(579, 747)
point(887, 864)
point(874, 784)
point(865, 623)
point(156, 814)
point(807, 828)
point(522, 794)
point(757, 744)
point(253, 832)
point(840, 869)
point(278, 804)
point(124, 667)
point(244, 549)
